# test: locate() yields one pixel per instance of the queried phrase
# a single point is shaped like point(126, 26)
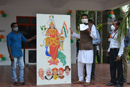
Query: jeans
point(20, 62)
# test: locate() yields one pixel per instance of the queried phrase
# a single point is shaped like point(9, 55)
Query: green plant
point(128, 57)
point(128, 52)
point(118, 13)
point(123, 26)
point(99, 27)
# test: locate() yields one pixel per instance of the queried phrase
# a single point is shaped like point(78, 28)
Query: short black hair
point(12, 24)
point(118, 23)
point(120, 19)
point(90, 20)
point(84, 15)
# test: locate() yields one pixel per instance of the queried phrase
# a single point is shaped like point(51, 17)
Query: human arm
point(27, 40)
point(10, 54)
point(97, 40)
point(60, 33)
point(9, 48)
point(75, 34)
point(34, 37)
point(48, 33)
point(127, 39)
point(121, 49)
point(108, 51)
point(93, 32)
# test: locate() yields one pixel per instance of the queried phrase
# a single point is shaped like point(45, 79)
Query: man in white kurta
point(85, 56)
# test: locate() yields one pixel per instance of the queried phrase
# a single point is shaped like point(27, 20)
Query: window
point(27, 26)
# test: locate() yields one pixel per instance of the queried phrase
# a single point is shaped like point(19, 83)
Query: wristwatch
point(33, 38)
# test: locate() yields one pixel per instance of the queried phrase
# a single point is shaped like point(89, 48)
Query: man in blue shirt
point(96, 42)
point(77, 44)
point(124, 56)
point(14, 40)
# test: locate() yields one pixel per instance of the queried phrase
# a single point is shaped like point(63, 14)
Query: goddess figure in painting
point(54, 43)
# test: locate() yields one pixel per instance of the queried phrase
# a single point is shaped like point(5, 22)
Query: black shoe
point(124, 80)
point(118, 85)
point(16, 84)
point(110, 84)
point(24, 83)
point(93, 77)
point(128, 83)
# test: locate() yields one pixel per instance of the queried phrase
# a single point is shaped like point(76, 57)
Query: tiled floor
point(102, 77)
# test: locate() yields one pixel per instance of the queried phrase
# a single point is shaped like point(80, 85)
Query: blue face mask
point(15, 29)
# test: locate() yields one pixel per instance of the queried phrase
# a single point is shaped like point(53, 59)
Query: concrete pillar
point(95, 18)
point(106, 28)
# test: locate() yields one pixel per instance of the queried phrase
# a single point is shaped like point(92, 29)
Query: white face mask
point(15, 29)
point(112, 27)
point(84, 20)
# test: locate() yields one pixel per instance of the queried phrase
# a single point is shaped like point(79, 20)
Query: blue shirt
point(14, 41)
point(97, 40)
point(127, 39)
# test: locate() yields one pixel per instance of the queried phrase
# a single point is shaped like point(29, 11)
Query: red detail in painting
point(53, 62)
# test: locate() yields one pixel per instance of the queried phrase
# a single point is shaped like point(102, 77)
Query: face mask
point(112, 27)
point(84, 20)
point(15, 29)
point(109, 39)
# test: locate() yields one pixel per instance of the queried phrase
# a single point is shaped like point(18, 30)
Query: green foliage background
point(117, 12)
point(128, 52)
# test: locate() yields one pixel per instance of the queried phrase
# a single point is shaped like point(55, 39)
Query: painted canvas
point(53, 49)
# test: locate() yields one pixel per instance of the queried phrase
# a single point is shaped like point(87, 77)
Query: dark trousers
point(94, 55)
point(98, 59)
point(115, 65)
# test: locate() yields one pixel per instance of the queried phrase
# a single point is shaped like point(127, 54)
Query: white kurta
point(86, 56)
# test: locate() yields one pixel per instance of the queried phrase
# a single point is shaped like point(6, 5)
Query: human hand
point(35, 37)
point(118, 58)
point(71, 31)
point(61, 31)
point(12, 58)
point(49, 33)
point(89, 30)
point(107, 54)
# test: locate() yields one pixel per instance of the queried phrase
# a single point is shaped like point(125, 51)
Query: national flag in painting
point(65, 29)
point(51, 16)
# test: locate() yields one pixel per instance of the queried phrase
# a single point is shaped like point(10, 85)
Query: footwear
point(86, 84)
point(110, 84)
point(128, 83)
point(118, 85)
point(93, 77)
point(124, 80)
point(24, 83)
point(16, 84)
point(78, 82)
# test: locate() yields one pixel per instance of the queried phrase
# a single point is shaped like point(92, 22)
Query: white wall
point(3, 50)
